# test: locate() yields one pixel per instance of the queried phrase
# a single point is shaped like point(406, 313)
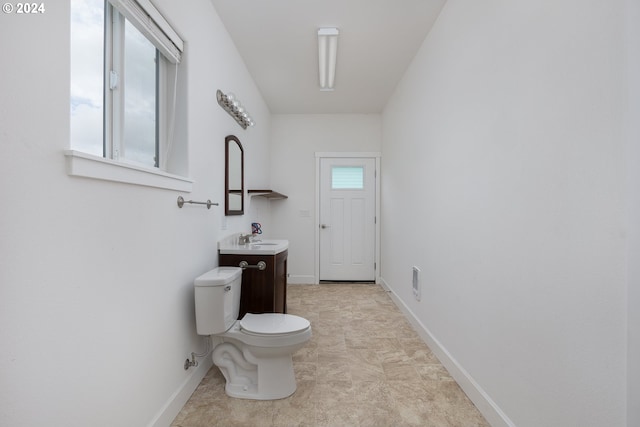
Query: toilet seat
point(273, 336)
point(273, 324)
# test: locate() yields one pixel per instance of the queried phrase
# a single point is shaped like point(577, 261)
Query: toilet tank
point(217, 298)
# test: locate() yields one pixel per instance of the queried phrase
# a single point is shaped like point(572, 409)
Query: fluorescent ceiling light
point(327, 52)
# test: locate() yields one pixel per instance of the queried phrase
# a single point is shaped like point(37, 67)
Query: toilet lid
point(273, 323)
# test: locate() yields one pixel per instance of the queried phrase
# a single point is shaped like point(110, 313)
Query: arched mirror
point(234, 178)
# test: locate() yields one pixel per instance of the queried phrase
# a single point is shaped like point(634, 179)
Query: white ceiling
point(278, 41)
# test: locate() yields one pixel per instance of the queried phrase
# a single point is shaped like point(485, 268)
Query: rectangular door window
point(347, 178)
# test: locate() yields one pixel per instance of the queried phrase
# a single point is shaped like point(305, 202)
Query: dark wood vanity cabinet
point(263, 291)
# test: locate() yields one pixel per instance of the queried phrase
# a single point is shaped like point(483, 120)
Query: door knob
point(324, 226)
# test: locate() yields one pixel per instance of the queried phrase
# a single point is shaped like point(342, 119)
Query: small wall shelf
point(268, 194)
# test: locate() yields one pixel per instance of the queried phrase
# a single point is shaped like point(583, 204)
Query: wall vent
point(416, 283)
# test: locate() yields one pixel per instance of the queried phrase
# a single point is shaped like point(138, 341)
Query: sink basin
point(265, 247)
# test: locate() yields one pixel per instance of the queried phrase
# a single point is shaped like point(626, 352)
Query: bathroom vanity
point(264, 276)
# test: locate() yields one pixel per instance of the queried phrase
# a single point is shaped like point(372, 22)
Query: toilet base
point(249, 377)
point(276, 380)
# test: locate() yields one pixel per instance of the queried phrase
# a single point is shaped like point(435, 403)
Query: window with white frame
point(124, 65)
point(347, 178)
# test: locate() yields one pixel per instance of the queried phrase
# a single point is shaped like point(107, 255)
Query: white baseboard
point(489, 409)
point(301, 280)
point(176, 402)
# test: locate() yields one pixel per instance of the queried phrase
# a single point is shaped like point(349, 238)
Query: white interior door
point(347, 219)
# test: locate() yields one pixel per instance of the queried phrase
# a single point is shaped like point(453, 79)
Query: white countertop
point(258, 247)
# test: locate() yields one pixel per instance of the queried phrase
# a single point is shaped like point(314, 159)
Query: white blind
point(146, 18)
point(347, 178)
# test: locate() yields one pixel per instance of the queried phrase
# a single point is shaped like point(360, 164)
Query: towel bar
point(261, 265)
point(182, 201)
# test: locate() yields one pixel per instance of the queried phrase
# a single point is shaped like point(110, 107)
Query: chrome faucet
point(243, 239)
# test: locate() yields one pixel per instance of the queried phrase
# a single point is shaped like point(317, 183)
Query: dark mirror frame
point(231, 139)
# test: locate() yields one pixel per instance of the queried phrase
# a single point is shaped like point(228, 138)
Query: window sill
point(90, 166)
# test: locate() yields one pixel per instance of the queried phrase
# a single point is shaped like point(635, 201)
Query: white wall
point(633, 156)
point(294, 141)
point(96, 301)
point(504, 181)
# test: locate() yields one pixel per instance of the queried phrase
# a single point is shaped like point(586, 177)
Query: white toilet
point(254, 353)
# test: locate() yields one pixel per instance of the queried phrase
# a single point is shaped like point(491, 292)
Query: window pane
point(347, 177)
point(139, 131)
point(87, 65)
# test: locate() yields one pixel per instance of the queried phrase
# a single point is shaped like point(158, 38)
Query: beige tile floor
point(364, 366)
